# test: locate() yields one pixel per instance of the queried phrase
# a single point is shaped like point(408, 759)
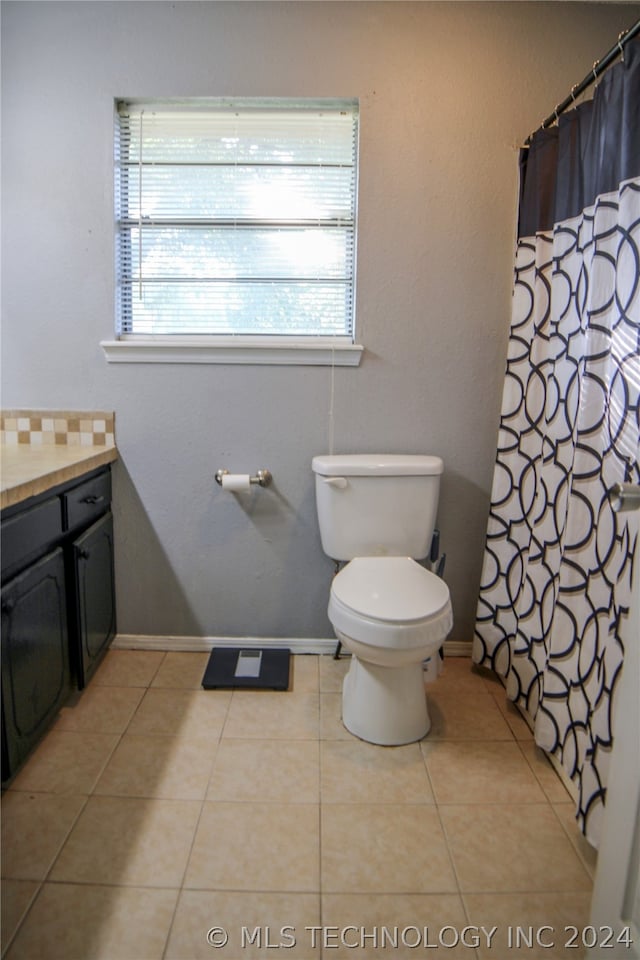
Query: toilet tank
point(376, 505)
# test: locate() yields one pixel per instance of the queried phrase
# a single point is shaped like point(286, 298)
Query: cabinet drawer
point(30, 533)
point(87, 500)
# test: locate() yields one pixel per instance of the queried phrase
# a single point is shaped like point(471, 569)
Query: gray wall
point(447, 91)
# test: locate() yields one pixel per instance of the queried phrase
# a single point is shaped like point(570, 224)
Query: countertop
point(30, 469)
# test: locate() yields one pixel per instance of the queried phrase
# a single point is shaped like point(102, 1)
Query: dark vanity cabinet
point(58, 605)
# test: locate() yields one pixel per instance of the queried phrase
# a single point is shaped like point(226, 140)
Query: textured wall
point(447, 90)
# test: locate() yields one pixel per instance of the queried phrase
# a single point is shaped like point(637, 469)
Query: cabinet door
point(95, 595)
point(35, 655)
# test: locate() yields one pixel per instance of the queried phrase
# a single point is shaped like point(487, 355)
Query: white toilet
point(378, 513)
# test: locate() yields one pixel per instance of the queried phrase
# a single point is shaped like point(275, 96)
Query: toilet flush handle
point(340, 482)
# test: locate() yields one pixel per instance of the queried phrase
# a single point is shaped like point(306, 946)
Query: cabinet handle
point(83, 553)
point(93, 499)
point(7, 606)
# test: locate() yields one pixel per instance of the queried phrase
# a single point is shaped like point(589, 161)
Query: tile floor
point(154, 812)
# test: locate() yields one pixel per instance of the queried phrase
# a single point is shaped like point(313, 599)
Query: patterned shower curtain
point(556, 576)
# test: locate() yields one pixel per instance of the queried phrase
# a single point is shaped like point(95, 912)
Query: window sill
point(247, 350)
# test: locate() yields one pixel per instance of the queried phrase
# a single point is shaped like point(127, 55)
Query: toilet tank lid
point(379, 464)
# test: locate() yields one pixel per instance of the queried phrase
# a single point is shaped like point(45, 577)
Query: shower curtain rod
point(598, 68)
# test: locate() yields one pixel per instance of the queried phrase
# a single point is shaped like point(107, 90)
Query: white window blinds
point(236, 217)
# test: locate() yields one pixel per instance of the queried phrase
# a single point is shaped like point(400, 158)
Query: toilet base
point(385, 705)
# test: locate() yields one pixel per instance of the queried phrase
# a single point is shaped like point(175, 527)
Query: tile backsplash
point(67, 427)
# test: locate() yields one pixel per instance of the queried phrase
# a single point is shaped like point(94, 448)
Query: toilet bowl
point(391, 614)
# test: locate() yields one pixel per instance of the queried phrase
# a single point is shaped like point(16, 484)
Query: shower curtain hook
point(622, 34)
point(593, 70)
point(572, 94)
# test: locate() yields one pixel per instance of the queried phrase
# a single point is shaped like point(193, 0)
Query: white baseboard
point(457, 648)
point(135, 641)
point(318, 645)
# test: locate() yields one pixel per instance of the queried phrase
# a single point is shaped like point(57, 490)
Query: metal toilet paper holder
point(263, 477)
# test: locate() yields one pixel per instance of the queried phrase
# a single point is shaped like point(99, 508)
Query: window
point(236, 219)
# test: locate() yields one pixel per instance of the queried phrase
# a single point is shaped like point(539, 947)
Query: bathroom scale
point(252, 668)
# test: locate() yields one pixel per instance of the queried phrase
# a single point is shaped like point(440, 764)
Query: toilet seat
point(390, 602)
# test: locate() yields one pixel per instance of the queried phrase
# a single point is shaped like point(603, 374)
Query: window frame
point(212, 347)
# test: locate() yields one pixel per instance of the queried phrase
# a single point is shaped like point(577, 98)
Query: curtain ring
point(622, 34)
point(593, 70)
point(571, 93)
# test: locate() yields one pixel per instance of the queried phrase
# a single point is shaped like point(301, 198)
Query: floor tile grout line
point(574, 846)
point(172, 922)
point(313, 891)
point(535, 773)
point(27, 910)
point(450, 854)
point(321, 761)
